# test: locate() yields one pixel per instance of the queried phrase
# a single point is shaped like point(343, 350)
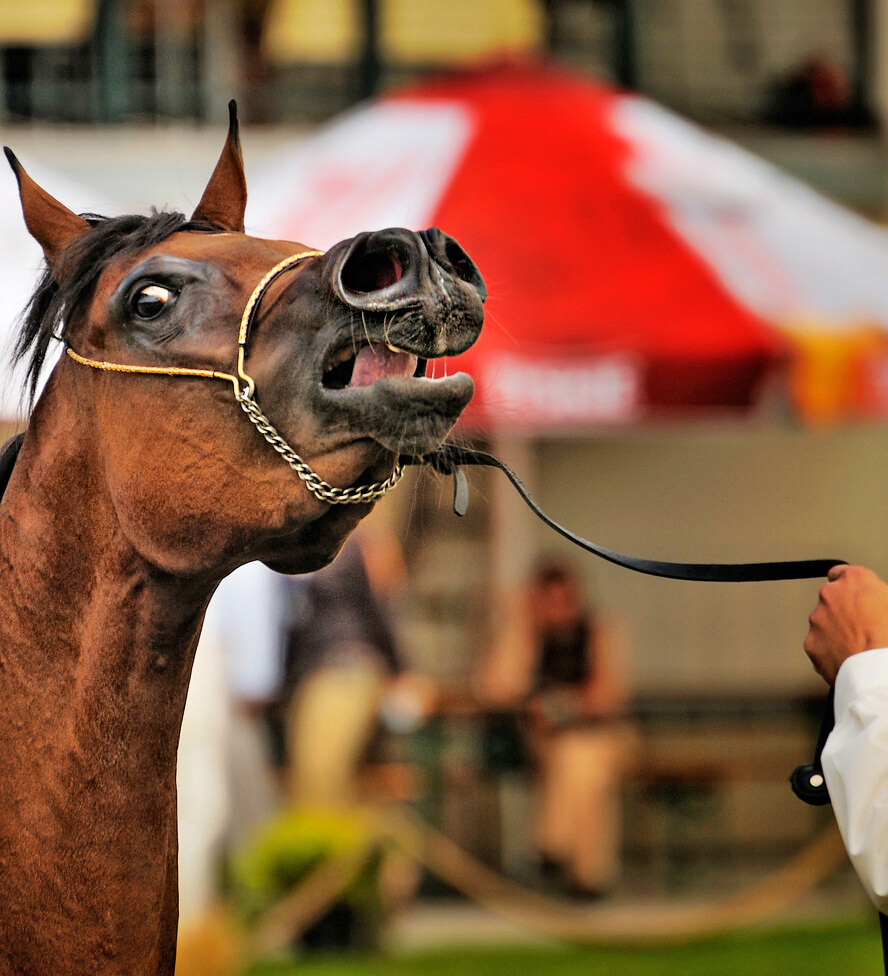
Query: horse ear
point(225, 198)
point(49, 222)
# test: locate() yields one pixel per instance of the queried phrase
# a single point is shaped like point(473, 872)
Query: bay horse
point(139, 484)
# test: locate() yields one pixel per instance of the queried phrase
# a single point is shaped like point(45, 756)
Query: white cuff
point(859, 676)
point(855, 764)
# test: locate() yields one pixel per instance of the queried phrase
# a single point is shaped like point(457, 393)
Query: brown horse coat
point(134, 494)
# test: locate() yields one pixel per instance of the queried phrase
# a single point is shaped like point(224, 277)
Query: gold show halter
point(244, 394)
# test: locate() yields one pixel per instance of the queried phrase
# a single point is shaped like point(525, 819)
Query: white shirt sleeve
point(855, 765)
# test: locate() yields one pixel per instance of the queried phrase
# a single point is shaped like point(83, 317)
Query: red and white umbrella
point(636, 264)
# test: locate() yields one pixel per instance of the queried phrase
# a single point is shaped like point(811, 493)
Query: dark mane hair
point(46, 315)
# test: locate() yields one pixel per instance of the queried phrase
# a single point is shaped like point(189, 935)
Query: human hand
point(851, 616)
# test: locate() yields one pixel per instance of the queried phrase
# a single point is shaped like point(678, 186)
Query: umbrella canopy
point(636, 265)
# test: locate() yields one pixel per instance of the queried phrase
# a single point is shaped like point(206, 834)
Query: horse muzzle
point(395, 271)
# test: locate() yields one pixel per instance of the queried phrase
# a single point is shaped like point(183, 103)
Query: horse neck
point(96, 648)
point(86, 617)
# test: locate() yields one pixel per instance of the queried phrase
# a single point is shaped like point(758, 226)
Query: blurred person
point(815, 94)
point(345, 668)
point(847, 643)
point(558, 658)
point(224, 777)
point(248, 617)
point(202, 782)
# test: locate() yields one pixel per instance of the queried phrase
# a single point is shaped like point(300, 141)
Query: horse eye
point(150, 301)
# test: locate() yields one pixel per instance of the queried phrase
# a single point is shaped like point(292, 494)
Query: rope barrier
point(549, 916)
point(569, 922)
point(279, 925)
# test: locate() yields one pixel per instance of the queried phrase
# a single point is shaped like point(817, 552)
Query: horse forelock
point(45, 317)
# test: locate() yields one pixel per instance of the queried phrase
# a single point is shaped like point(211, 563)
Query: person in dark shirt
point(560, 659)
point(345, 670)
point(341, 659)
point(342, 618)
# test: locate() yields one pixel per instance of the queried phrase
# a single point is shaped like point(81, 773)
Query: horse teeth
point(397, 350)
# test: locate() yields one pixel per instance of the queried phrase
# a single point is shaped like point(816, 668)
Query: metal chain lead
point(316, 485)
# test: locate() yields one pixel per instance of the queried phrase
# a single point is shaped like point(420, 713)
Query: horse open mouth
point(381, 391)
point(353, 366)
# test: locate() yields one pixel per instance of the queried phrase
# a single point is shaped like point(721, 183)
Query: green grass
point(847, 950)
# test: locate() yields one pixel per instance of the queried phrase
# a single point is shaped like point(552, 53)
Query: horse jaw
point(403, 414)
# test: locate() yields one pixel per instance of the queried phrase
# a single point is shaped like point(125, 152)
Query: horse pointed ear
point(49, 222)
point(225, 198)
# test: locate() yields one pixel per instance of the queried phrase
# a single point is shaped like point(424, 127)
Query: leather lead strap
point(807, 780)
point(449, 460)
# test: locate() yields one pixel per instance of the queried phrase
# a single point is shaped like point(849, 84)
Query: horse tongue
point(376, 360)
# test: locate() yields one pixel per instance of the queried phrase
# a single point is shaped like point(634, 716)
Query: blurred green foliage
point(288, 848)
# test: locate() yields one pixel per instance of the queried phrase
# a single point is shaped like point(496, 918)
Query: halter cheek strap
point(251, 310)
point(244, 390)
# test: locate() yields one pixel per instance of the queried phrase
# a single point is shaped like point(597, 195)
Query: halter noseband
point(244, 389)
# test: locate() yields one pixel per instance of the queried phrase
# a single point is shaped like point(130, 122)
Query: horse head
point(333, 346)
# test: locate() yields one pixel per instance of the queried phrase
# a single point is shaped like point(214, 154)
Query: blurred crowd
point(296, 677)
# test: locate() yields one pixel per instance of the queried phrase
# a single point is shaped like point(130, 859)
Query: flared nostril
point(448, 253)
point(381, 270)
point(389, 269)
point(464, 267)
point(370, 270)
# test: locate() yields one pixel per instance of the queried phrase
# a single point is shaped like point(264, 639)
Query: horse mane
point(46, 315)
point(8, 454)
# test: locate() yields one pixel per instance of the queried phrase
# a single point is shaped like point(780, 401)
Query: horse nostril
point(462, 264)
point(368, 270)
point(394, 268)
point(448, 253)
